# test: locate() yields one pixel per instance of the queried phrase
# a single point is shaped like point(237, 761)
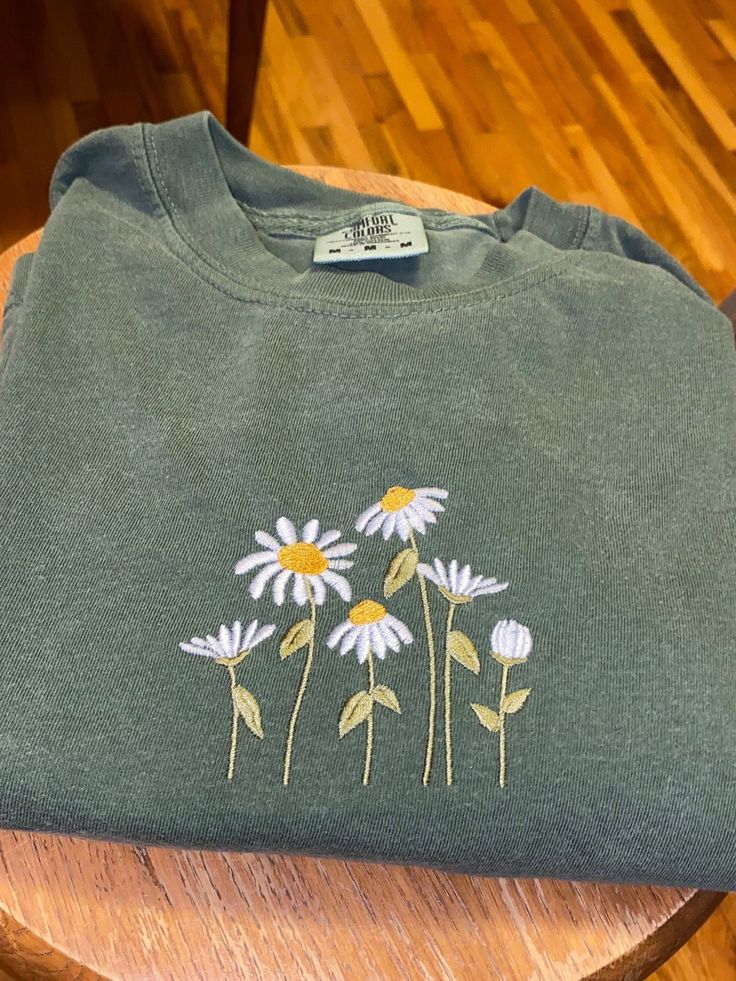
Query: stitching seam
point(266, 298)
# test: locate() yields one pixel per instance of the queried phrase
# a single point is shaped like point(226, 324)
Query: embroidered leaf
point(463, 650)
point(249, 709)
point(386, 696)
point(487, 717)
point(402, 568)
point(354, 711)
point(296, 637)
point(514, 700)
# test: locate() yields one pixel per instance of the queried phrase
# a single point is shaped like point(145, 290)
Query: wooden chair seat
point(72, 908)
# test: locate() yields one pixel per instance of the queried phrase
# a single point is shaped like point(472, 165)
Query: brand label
point(382, 235)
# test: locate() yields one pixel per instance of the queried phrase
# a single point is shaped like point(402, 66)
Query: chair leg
point(245, 37)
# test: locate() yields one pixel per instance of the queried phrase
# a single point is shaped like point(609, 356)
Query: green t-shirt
point(423, 553)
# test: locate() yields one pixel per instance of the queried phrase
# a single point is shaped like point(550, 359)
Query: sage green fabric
point(177, 375)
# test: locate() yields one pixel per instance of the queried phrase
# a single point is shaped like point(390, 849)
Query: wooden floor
point(626, 104)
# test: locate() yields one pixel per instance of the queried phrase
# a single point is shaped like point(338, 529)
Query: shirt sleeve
point(609, 233)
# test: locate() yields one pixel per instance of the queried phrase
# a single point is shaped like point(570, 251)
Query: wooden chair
point(246, 21)
point(78, 909)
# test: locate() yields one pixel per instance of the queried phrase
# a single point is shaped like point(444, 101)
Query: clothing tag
point(384, 235)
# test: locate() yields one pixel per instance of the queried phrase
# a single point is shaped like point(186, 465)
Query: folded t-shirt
point(334, 525)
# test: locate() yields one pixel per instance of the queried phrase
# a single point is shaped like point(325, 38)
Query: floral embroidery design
point(511, 643)
point(459, 587)
point(304, 565)
point(369, 629)
point(229, 648)
point(313, 559)
point(404, 511)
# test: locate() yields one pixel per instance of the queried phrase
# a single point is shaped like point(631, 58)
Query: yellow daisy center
point(367, 611)
point(397, 498)
point(303, 558)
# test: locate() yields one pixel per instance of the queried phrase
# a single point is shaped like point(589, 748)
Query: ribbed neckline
point(217, 194)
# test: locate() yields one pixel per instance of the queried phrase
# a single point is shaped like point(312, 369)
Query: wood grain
point(134, 913)
point(626, 104)
point(79, 909)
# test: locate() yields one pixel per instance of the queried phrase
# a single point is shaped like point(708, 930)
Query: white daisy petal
point(224, 638)
point(402, 527)
point(253, 560)
point(318, 588)
point(279, 586)
point(338, 551)
point(473, 585)
point(248, 635)
point(341, 564)
point(300, 590)
point(216, 647)
point(267, 541)
point(490, 587)
point(463, 579)
point(196, 649)
point(378, 642)
point(260, 635)
point(348, 641)
point(429, 573)
point(452, 575)
point(338, 583)
point(366, 516)
point(399, 628)
point(374, 524)
point(259, 583)
point(286, 530)
point(328, 538)
point(388, 526)
point(429, 506)
point(235, 634)
point(364, 645)
point(310, 531)
point(441, 573)
point(391, 639)
point(415, 519)
point(431, 492)
point(338, 633)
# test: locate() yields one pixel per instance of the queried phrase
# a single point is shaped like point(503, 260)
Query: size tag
point(383, 235)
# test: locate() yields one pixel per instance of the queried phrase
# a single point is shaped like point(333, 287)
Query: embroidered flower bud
point(511, 642)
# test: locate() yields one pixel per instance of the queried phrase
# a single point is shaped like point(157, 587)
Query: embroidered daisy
point(459, 585)
point(310, 557)
point(231, 646)
point(369, 628)
point(400, 510)
point(231, 641)
point(405, 510)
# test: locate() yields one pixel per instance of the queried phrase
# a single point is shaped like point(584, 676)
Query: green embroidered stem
point(448, 695)
point(234, 730)
point(432, 669)
point(502, 729)
point(369, 722)
point(302, 688)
